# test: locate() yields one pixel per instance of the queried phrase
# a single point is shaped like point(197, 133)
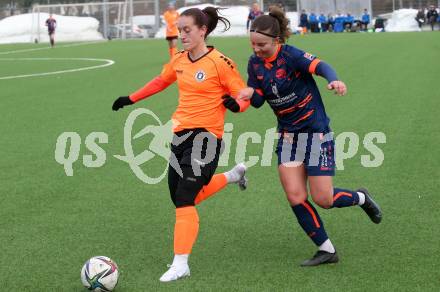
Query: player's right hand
point(339, 87)
point(120, 102)
point(230, 103)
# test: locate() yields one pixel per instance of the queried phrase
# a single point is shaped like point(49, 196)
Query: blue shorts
point(315, 150)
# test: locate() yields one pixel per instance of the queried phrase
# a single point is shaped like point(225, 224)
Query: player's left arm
point(307, 63)
point(325, 70)
point(257, 99)
point(159, 83)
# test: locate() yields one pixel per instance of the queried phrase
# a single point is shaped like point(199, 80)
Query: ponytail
point(275, 25)
point(208, 17)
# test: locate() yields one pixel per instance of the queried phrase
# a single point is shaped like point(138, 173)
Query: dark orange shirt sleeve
point(165, 79)
point(232, 81)
point(168, 73)
point(154, 86)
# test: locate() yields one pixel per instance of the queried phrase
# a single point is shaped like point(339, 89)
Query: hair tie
point(205, 17)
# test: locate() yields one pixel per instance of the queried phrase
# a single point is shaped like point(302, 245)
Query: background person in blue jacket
point(339, 23)
point(348, 22)
point(330, 22)
point(365, 20)
point(323, 22)
point(314, 24)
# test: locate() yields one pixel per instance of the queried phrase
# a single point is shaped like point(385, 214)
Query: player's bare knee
point(296, 198)
point(322, 196)
point(325, 202)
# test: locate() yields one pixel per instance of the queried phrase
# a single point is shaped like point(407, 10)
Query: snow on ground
point(23, 28)
point(402, 20)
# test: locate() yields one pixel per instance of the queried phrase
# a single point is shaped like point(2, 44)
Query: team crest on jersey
point(309, 56)
point(200, 76)
point(280, 73)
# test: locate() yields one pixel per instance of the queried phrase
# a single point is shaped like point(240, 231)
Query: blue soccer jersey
point(286, 83)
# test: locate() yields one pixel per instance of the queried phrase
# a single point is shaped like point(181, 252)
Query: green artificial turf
point(50, 223)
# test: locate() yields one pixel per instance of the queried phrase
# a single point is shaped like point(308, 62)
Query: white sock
point(180, 259)
point(327, 246)
point(236, 173)
point(361, 198)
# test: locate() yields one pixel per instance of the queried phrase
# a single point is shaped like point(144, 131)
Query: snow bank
point(402, 20)
point(23, 28)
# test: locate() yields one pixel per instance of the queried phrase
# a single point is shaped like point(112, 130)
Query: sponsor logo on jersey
point(275, 89)
point(309, 56)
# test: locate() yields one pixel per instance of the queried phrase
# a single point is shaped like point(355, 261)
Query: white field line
point(107, 63)
point(49, 48)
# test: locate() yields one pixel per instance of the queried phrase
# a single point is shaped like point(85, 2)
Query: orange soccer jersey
point(202, 83)
point(171, 20)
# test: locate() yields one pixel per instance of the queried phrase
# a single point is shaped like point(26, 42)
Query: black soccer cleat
point(321, 257)
point(371, 207)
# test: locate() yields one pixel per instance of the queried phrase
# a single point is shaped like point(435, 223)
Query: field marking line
point(49, 48)
point(108, 62)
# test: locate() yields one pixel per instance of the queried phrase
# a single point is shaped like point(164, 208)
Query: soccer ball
point(100, 274)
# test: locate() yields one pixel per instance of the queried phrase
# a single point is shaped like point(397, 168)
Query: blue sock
point(310, 222)
point(344, 198)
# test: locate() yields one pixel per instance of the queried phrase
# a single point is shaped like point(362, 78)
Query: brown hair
point(275, 25)
point(208, 17)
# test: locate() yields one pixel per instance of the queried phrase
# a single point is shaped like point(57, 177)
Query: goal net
point(96, 20)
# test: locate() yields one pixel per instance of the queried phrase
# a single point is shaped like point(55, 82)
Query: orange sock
point(217, 183)
point(185, 229)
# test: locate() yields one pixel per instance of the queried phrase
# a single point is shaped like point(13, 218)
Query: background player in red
point(208, 83)
point(282, 76)
point(172, 34)
point(51, 24)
